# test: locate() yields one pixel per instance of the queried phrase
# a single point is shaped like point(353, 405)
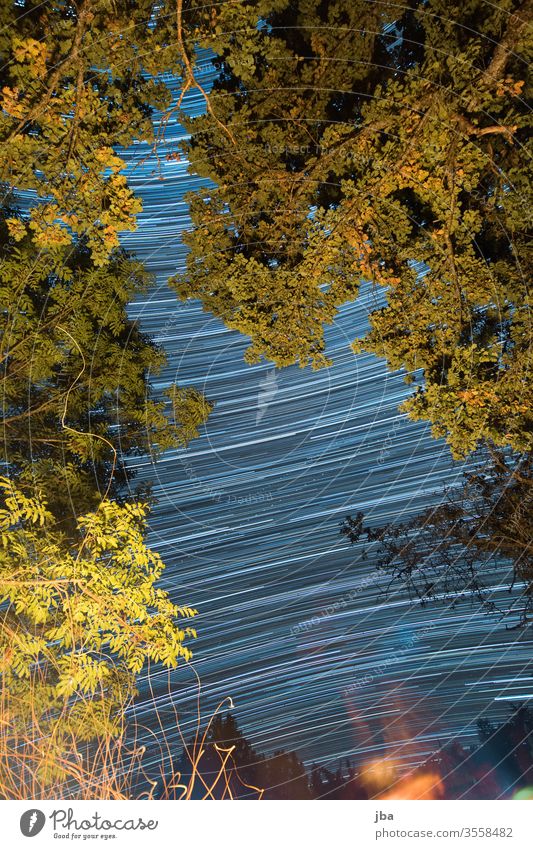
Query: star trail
point(292, 625)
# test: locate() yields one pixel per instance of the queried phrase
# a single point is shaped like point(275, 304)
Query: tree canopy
point(79, 619)
point(451, 551)
point(80, 611)
point(361, 140)
point(345, 141)
point(76, 372)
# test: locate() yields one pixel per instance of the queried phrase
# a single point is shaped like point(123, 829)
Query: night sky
point(247, 521)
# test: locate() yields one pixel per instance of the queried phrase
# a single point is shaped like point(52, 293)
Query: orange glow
point(376, 776)
point(427, 786)
point(382, 780)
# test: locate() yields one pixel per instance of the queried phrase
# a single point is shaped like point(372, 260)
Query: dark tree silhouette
point(498, 766)
point(341, 783)
point(481, 530)
point(281, 775)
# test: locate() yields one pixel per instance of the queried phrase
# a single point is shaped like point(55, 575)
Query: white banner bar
point(279, 825)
